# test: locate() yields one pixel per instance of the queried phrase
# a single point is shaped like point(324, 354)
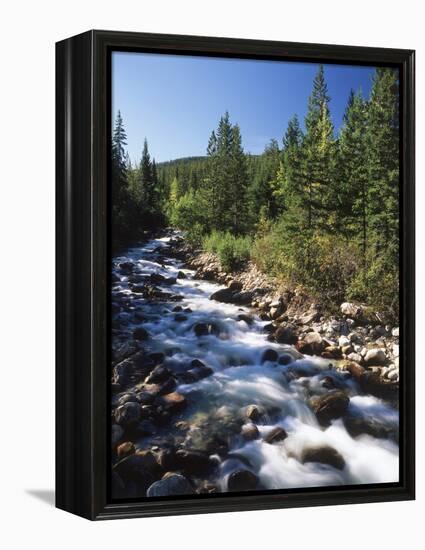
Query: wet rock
point(194, 462)
point(156, 357)
point(171, 485)
point(181, 275)
point(180, 318)
point(173, 402)
point(127, 267)
point(249, 432)
point(330, 406)
point(205, 329)
point(275, 435)
point(140, 334)
point(242, 480)
point(269, 328)
point(123, 372)
point(168, 386)
point(311, 344)
point(373, 383)
point(177, 308)
point(285, 359)
point(254, 412)
point(158, 375)
point(157, 278)
point(127, 414)
point(324, 455)
point(133, 469)
point(145, 427)
point(224, 295)
point(286, 335)
point(269, 355)
point(247, 318)
point(127, 398)
point(125, 449)
point(375, 357)
point(359, 425)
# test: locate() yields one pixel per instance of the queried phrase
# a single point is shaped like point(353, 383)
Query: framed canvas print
point(235, 274)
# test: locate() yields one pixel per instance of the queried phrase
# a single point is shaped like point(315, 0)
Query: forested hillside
point(319, 209)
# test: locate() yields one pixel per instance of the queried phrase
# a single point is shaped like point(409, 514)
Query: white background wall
point(29, 30)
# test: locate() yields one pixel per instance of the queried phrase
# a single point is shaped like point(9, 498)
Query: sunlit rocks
point(127, 414)
point(125, 449)
point(332, 352)
point(254, 412)
point(323, 454)
point(311, 344)
point(173, 484)
point(173, 402)
point(275, 435)
point(352, 310)
point(330, 406)
point(242, 480)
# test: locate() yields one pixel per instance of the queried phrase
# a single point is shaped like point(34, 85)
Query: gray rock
point(173, 484)
point(324, 455)
point(355, 357)
point(224, 295)
point(242, 480)
point(343, 341)
point(352, 310)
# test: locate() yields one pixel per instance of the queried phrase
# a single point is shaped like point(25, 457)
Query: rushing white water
point(241, 379)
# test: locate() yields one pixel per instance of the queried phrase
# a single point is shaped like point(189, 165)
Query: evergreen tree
point(120, 196)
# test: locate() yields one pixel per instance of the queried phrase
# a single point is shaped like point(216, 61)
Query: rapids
point(240, 378)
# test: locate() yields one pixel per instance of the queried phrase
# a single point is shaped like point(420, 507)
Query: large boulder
point(255, 413)
point(243, 298)
point(324, 455)
point(269, 355)
point(242, 480)
point(172, 484)
point(205, 329)
point(330, 406)
point(286, 335)
point(311, 344)
point(224, 295)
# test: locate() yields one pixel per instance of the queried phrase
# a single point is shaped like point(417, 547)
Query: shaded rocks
point(193, 462)
point(275, 435)
point(117, 433)
point(170, 485)
point(286, 335)
point(197, 371)
point(324, 455)
point(158, 375)
point(360, 425)
point(269, 355)
point(330, 406)
point(332, 352)
point(242, 480)
point(224, 295)
point(247, 318)
point(140, 333)
point(127, 414)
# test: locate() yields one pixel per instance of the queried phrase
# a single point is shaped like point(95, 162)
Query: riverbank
point(357, 335)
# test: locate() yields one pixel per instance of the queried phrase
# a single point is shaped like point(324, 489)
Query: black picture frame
point(82, 274)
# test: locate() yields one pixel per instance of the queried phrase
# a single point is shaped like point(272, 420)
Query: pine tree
point(319, 157)
point(351, 190)
point(119, 173)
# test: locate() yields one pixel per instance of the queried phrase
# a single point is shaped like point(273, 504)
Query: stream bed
point(203, 402)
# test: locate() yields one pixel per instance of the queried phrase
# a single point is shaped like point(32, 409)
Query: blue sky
point(176, 101)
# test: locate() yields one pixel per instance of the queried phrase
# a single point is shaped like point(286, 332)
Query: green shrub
point(232, 251)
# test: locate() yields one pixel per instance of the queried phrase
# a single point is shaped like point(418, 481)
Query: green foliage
point(232, 251)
